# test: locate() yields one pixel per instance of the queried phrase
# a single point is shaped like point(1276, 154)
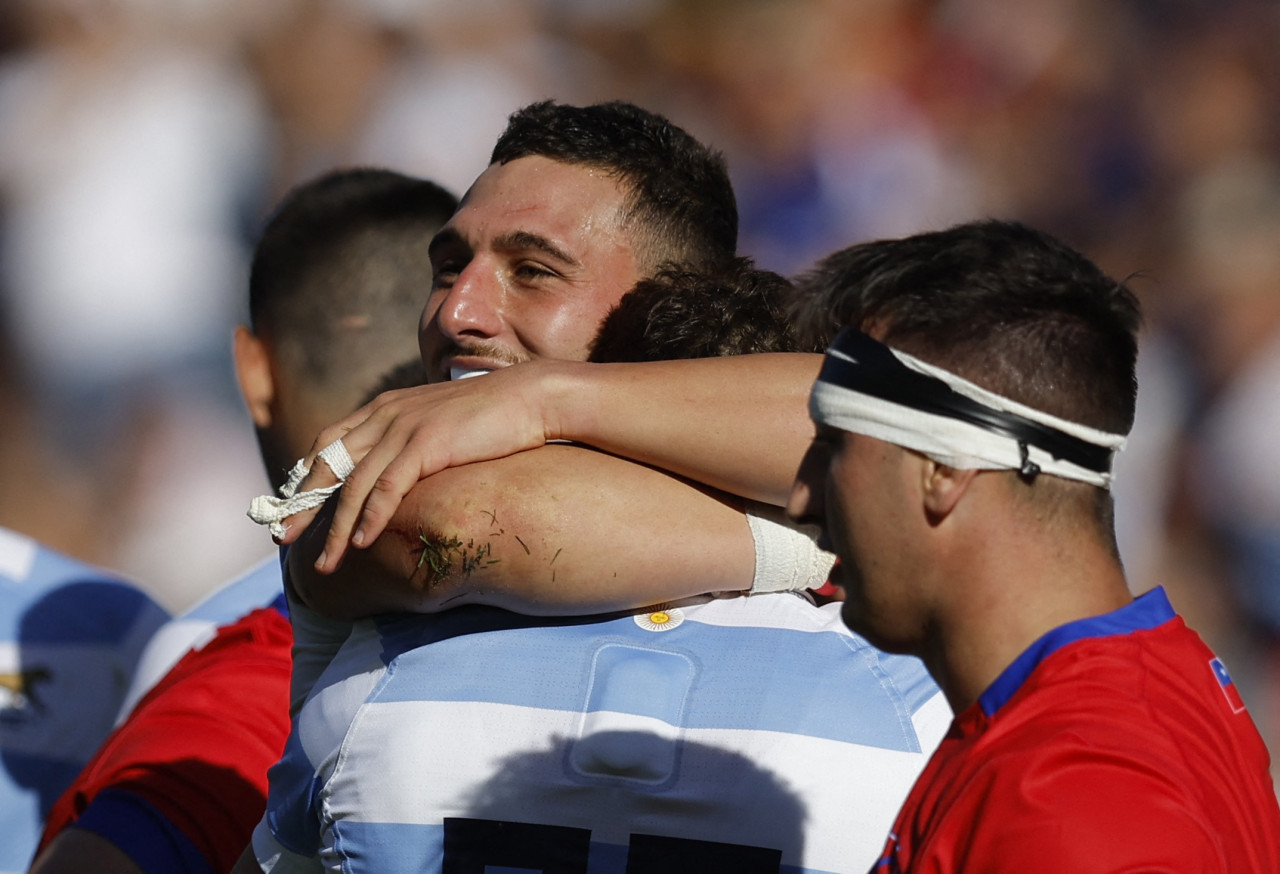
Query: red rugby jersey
point(186, 774)
point(1116, 743)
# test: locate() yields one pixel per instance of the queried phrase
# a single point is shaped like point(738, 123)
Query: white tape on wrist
point(787, 558)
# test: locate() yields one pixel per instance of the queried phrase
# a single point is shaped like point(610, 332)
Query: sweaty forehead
point(572, 207)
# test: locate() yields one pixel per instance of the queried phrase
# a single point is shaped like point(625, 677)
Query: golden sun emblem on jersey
point(661, 619)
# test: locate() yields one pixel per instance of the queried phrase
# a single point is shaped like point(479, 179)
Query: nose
point(805, 502)
point(472, 307)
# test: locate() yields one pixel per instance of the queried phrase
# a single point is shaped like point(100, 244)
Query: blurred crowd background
point(142, 142)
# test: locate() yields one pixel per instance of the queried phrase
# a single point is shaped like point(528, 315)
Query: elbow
point(395, 573)
point(318, 592)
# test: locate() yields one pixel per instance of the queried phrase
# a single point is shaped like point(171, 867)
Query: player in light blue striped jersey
point(750, 733)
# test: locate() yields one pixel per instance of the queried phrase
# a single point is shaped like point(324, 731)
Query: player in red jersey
point(961, 471)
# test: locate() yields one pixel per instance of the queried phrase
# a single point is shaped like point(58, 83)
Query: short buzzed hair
point(341, 270)
point(1002, 304)
point(679, 197)
point(1007, 307)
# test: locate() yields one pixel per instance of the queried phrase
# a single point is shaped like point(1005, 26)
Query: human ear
point(942, 487)
point(253, 373)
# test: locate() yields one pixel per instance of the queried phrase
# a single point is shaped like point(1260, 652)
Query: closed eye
point(532, 271)
point(449, 256)
point(445, 273)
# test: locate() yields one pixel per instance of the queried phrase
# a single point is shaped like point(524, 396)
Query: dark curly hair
point(680, 200)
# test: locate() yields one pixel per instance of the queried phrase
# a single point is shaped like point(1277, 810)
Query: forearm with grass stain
point(559, 530)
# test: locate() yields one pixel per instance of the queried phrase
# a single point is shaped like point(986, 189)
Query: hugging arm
point(737, 424)
point(561, 529)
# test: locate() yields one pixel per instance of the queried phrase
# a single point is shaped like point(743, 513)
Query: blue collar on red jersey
point(1146, 611)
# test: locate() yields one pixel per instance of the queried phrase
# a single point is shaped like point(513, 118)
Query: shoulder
point(234, 685)
point(70, 636)
point(768, 662)
point(49, 595)
point(260, 586)
point(1096, 715)
point(1021, 803)
point(257, 587)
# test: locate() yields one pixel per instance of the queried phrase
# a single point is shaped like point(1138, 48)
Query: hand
point(407, 435)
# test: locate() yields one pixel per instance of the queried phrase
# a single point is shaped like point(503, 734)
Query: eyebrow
point(529, 240)
point(444, 237)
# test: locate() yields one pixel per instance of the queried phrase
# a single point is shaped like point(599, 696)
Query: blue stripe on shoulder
point(61, 600)
point(1147, 611)
point(81, 611)
point(258, 587)
point(816, 683)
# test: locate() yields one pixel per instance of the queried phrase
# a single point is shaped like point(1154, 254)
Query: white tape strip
point(975, 392)
point(271, 511)
point(787, 558)
point(338, 458)
point(948, 441)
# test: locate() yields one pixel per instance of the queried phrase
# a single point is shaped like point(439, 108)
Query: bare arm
point(738, 424)
point(556, 530)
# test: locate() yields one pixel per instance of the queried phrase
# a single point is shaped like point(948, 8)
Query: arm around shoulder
point(557, 530)
point(739, 423)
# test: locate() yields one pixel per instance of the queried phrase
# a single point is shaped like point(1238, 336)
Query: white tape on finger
point(271, 510)
point(338, 458)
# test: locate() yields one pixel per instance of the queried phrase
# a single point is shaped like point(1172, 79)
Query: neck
point(1010, 580)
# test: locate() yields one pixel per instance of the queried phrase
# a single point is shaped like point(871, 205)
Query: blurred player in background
point(339, 276)
point(71, 636)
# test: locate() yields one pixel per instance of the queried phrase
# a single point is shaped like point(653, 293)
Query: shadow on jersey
point(633, 812)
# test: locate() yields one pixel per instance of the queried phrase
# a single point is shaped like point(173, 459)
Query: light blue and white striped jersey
point(260, 586)
point(739, 734)
point(70, 636)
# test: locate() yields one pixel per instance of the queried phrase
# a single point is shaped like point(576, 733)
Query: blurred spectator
point(467, 68)
point(1231, 222)
point(127, 153)
point(125, 158)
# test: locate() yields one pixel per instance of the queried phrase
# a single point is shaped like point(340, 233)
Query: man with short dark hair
point(614, 193)
point(340, 268)
point(342, 260)
point(679, 204)
point(967, 418)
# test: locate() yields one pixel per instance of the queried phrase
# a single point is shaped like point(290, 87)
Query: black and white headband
point(868, 388)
